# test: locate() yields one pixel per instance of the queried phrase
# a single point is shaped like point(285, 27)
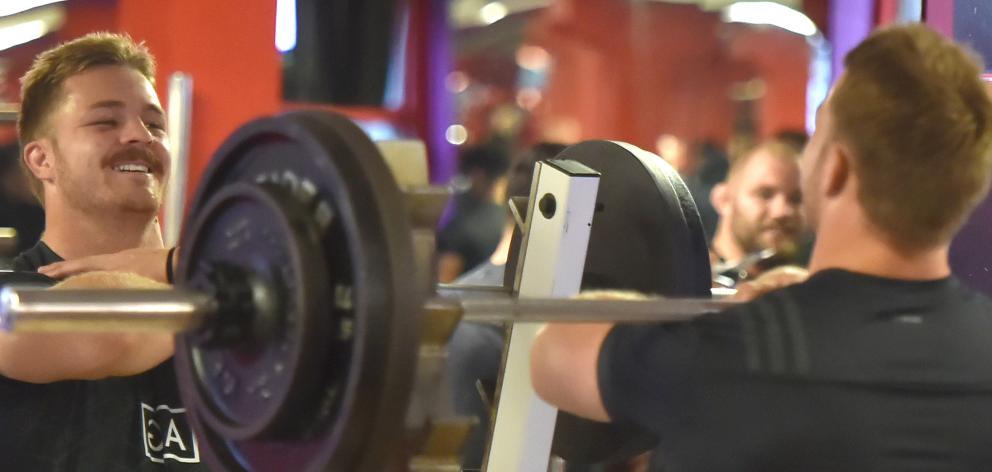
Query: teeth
point(131, 168)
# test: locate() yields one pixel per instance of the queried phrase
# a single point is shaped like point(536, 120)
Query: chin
point(142, 205)
point(787, 248)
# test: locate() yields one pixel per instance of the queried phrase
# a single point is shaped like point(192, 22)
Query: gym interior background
point(671, 76)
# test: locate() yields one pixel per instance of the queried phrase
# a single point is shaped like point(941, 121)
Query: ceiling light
point(770, 13)
point(11, 7)
point(492, 12)
point(533, 57)
point(285, 25)
point(21, 33)
point(456, 134)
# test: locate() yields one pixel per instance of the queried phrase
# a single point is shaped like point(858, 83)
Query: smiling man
point(760, 206)
point(93, 139)
point(881, 359)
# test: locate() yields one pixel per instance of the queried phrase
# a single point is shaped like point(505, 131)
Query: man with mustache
point(881, 359)
point(760, 208)
point(94, 143)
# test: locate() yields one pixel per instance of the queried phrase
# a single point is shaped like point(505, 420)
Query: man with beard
point(760, 208)
point(881, 359)
point(93, 140)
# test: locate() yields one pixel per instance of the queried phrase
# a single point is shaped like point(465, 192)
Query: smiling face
point(762, 203)
point(107, 143)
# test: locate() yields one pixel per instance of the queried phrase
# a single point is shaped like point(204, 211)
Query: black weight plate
point(256, 243)
point(331, 168)
point(699, 252)
point(646, 236)
point(660, 251)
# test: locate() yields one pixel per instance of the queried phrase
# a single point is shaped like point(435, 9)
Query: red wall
point(227, 46)
point(623, 70)
point(635, 70)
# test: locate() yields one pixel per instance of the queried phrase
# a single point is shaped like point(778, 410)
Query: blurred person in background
point(793, 137)
point(673, 150)
point(478, 212)
point(711, 170)
point(761, 218)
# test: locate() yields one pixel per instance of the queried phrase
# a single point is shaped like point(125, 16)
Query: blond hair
point(776, 148)
point(918, 121)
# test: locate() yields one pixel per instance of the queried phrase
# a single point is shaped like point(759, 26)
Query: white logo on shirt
point(167, 435)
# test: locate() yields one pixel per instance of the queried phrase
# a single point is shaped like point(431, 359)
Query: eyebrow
point(119, 104)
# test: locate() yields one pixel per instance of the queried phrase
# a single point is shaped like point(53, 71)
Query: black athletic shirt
point(134, 423)
point(474, 231)
point(845, 372)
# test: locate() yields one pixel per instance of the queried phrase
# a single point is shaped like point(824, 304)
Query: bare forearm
point(45, 357)
point(564, 367)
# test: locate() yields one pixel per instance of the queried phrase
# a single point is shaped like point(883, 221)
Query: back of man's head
point(41, 86)
point(917, 118)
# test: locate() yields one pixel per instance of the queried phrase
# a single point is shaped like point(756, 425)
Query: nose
point(136, 131)
point(782, 207)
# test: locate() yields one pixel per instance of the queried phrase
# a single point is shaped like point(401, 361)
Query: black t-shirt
point(27, 219)
point(474, 231)
point(843, 372)
point(134, 423)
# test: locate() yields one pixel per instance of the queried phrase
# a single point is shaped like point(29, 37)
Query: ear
point(720, 198)
point(837, 170)
point(38, 157)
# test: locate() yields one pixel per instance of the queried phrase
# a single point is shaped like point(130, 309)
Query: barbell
point(304, 293)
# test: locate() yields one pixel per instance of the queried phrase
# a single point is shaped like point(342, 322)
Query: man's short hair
point(918, 120)
point(773, 147)
point(522, 169)
point(41, 86)
point(492, 158)
point(793, 137)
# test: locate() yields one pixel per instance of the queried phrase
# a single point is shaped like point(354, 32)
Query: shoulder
point(969, 295)
point(771, 331)
point(709, 341)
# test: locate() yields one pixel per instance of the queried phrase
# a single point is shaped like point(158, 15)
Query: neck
point(725, 245)
point(73, 234)
point(862, 248)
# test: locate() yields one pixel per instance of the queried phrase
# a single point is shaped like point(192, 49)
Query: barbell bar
point(174, 311)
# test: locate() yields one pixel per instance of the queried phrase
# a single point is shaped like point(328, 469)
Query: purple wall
point(850, 22)
point(939, 15)
point(971, 254)
point(444, 158)
point(971, 257)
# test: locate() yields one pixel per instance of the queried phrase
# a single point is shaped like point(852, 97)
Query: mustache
point(785, 226)
point(133, 154)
